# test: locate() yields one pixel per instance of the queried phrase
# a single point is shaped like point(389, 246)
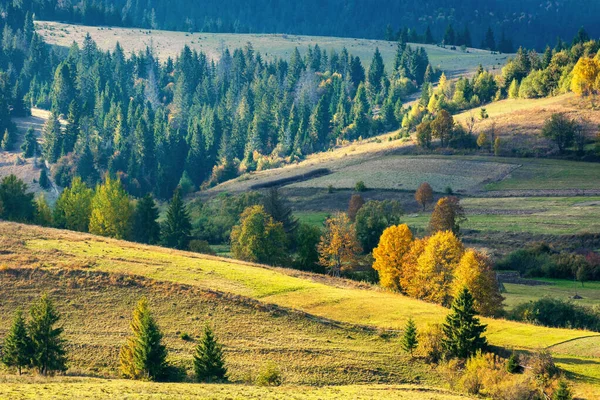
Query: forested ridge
point(529, 23)
point(192, 121)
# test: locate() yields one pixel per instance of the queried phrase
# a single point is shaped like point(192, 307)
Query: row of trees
point(37, 343)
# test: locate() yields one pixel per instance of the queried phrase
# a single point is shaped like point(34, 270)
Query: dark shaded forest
point(529, 23)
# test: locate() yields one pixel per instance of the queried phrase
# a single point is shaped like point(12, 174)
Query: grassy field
point(169, 44)
point(90, 388)
point(332, 299)
point(559, 288)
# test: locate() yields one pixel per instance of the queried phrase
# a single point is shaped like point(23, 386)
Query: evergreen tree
point(376, 72)
point(428, 36)
point(30, 145)
point(449, 36)
point(143, 356)
point(48, 354)
point(462, 329)
point(44, 181)
point(72, 129)
point(52, 138)
point(489, 42)
point(17, 349)
point(145, 225)
point(409, 338)
point(177, 227)
point(278, 208)
point(209, 364)
point(17, 202)
point(562, 392)
point(7, 141)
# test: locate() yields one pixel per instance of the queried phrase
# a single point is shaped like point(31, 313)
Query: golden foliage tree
point(394, 244)
point(482, 140)
point(111, 210)
point(474, 271)
point(409, 264)
point(585, 75)
point(424, 195)
point(339, 246)
point(447, 215)
point(435, 268)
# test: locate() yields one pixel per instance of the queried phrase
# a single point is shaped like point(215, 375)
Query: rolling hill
point(169, 44)
point(319, 322)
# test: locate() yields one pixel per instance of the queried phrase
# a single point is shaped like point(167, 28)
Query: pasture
point(169, 44)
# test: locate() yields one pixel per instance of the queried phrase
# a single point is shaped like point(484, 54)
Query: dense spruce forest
point(192, 121)
point(531, 23)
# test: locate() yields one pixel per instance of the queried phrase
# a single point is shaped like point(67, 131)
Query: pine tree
point(30, 145)
point(462, 329)
point(48, 346)
point(177, 228)
point(562, 392)
point(146, 229)
point(44, 181)
point(409, 339)
point(208, 359)
point(278, 208)
point(143, 356)
point(16, 352)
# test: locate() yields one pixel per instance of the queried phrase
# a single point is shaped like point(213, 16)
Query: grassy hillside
point(322, 297)
point(169, 44)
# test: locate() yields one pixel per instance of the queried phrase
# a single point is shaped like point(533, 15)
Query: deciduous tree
point(373, 218)
point(424, 195)
point(74, 207)
point(447, 215)
point(339, 247)
point(561, 130)
point(389, 255)
point(356, 202)
point(111, 210)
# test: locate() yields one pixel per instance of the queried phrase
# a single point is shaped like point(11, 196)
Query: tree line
point(534, 26)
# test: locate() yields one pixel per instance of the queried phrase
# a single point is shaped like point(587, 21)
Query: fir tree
point(145, 226)
point(48, 346)
point(462, 330)
point(489, 42)
point(376, 72)
point(512, 364)
point(17, 349)
point(562, 392)
point(409, 339)
point(72, 129)
point(428, 36)
point(208, 359)
point(176, 229)
point(30, 145)
point(52, 138)
point(143, 356)
point(44, 181)
point(7, 141)
point(278, 208)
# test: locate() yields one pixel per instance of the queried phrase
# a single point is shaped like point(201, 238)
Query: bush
point(430, 343)
point(557, 313)
point(186, 336)
point(269, 375)
point(201, 246)
point(360, 186)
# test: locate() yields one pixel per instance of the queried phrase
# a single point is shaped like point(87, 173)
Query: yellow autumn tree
point(585, 75)
point(394, 244)
point(409, 265)
point(111, 210)
point(474, 271)
point(435, 268)
point(339, 246)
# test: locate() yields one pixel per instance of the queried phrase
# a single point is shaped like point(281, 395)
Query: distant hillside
point(531, 23)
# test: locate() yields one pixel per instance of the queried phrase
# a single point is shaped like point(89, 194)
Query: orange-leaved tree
point(447, 215)
point(474, 271)
point(394, 244)
point(424, 195)
point(339, 248)
point(355, 204)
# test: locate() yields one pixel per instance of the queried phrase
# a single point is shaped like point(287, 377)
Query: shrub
point(201, 246)
point(430, 343)
point(557, 313)
point(186, 336)
point(360, 186)
point(269, 375)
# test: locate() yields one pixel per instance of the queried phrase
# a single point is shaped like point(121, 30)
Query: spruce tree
point(177, 228)
point(208, 359)
point(7, 142)
point(462, 330)
point(44, 181)
point(17, 349)
point(48, 353)
point(143, 356)
point(278, 208)
point(30, 145)
point(145, 226)
point(562, 392)
point(409, 339)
